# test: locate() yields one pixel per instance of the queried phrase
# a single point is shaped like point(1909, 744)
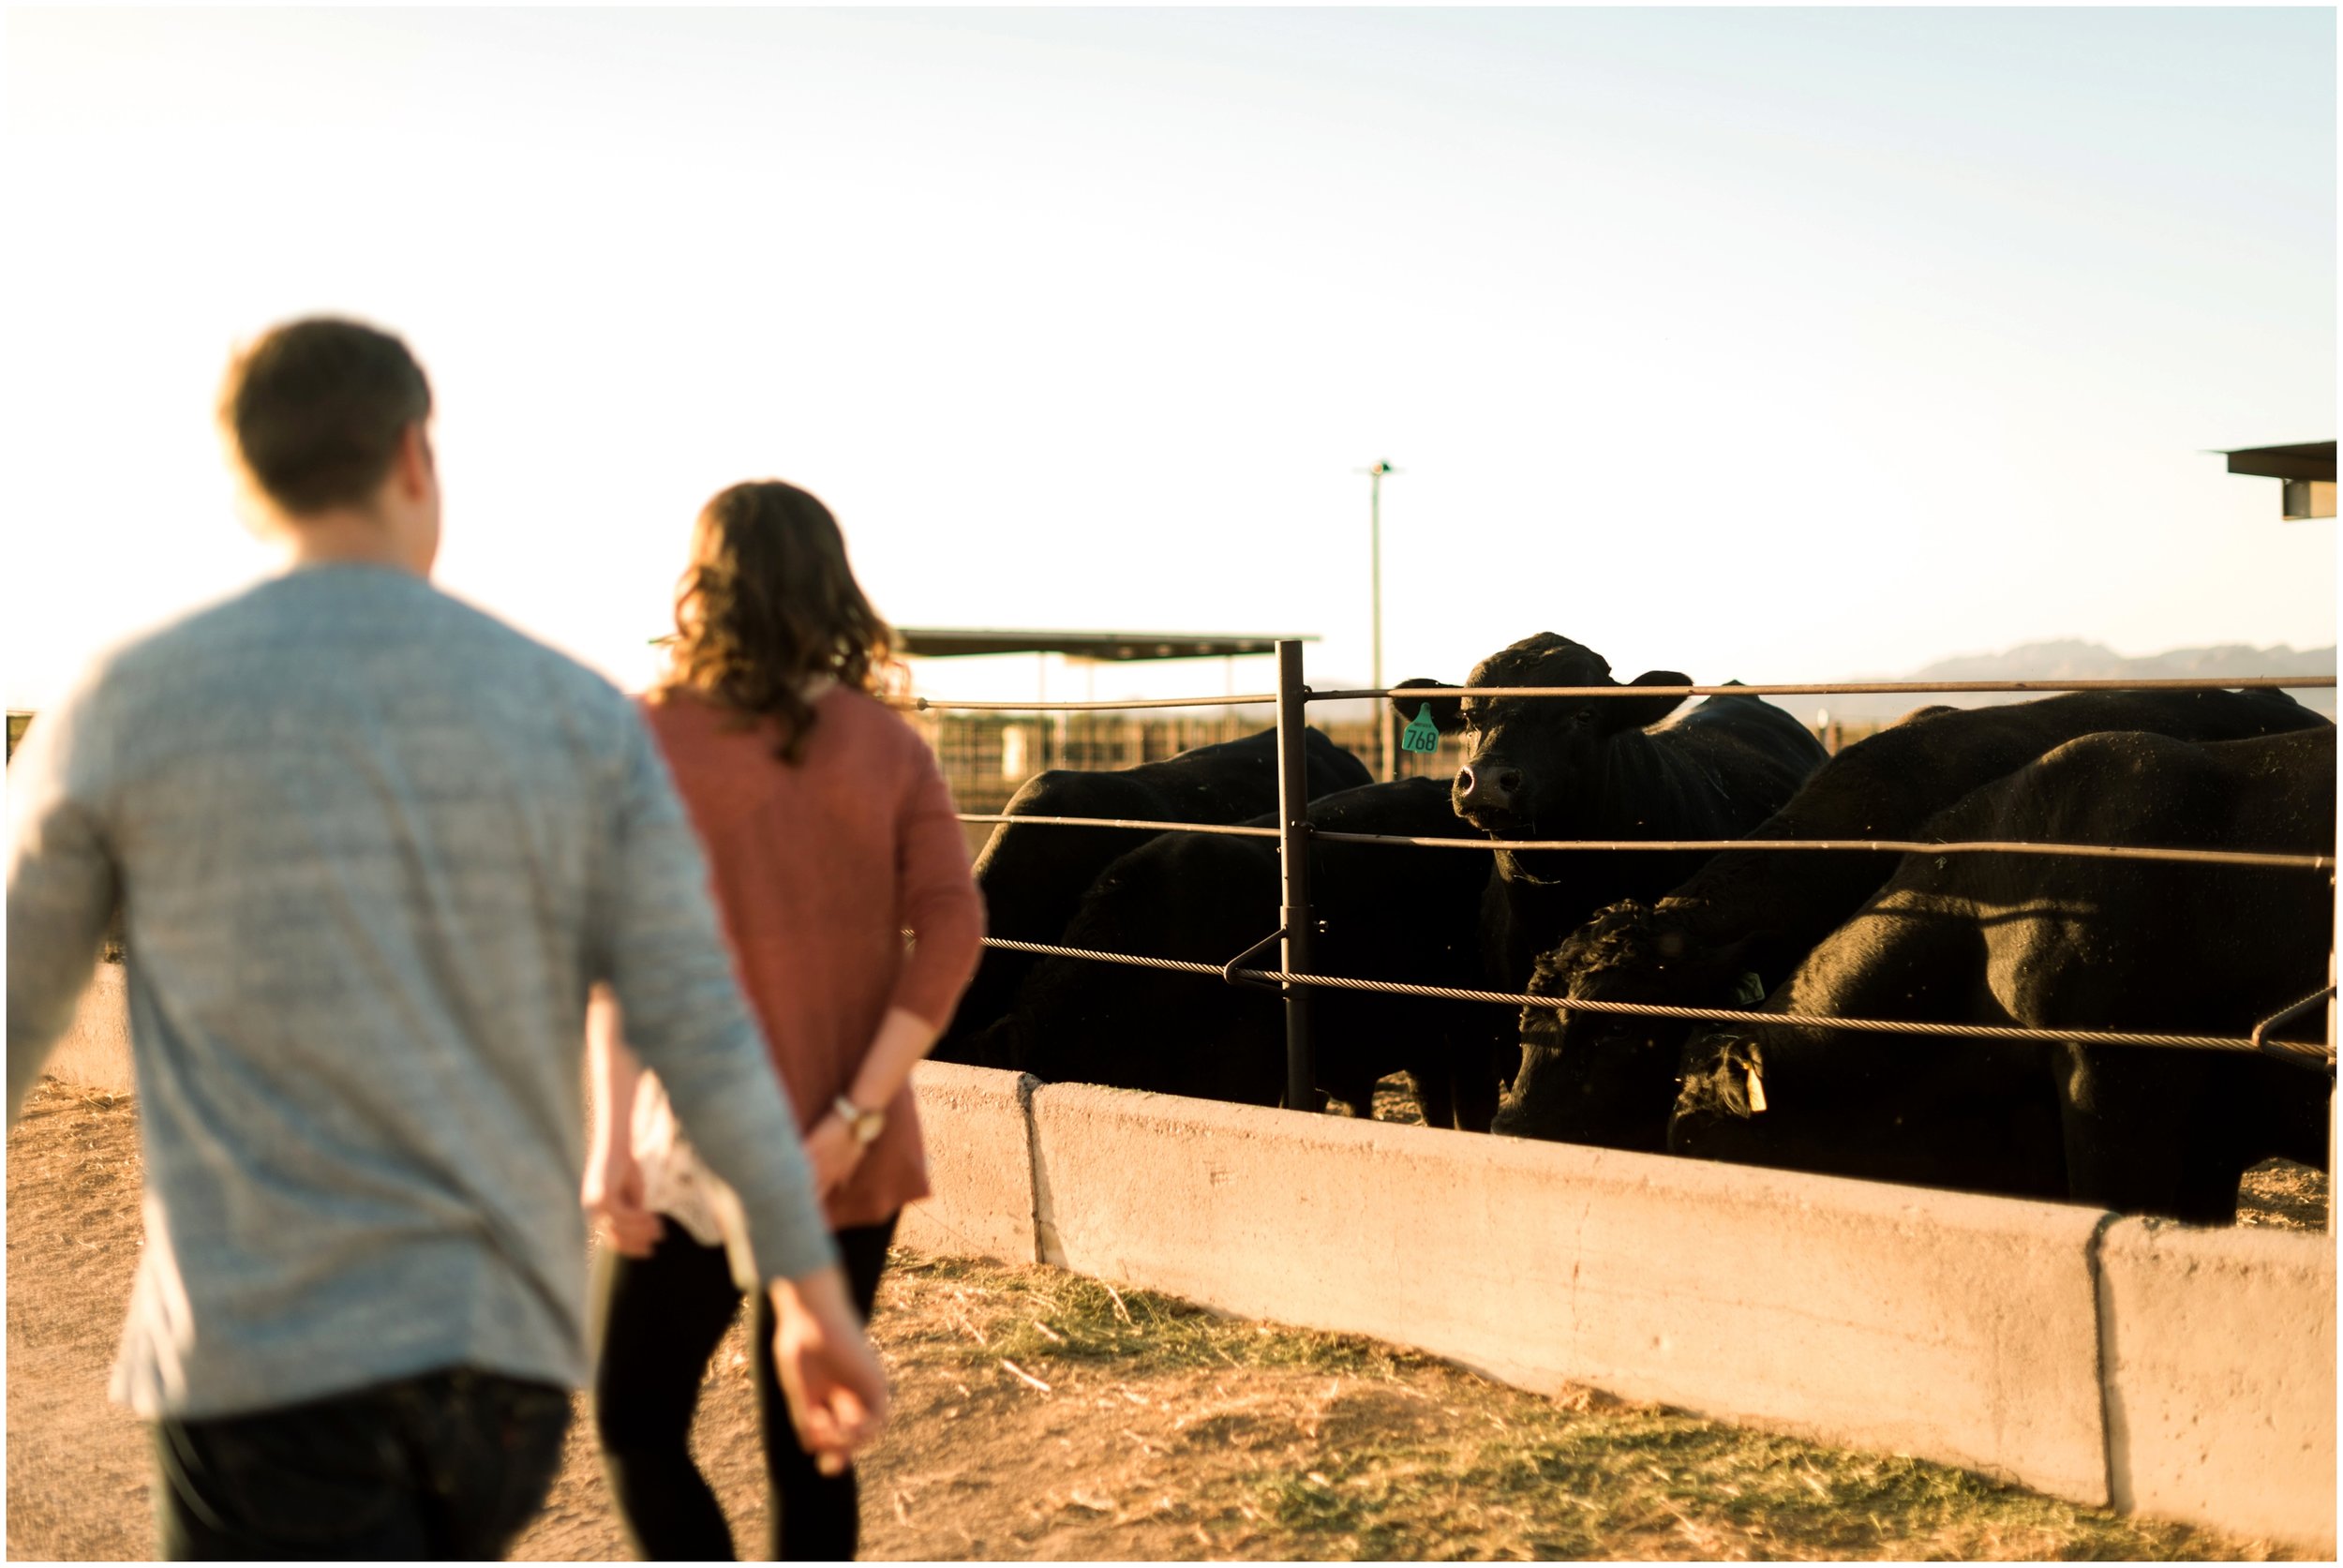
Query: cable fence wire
point(2249, 1045)
point(1894, 847)
point(1854, 688)
point(1884, 846)
point(1233, 829)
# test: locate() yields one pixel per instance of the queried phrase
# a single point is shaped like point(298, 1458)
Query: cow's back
point(1751, 756)
point(2091, 943)
point(2202, 945)
point(1388, 912)
point(1033, 876)
point(1887, 785)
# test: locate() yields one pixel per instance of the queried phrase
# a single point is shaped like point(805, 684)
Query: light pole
point(1386, 754)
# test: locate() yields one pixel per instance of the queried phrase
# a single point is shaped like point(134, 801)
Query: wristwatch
point(864, 1124)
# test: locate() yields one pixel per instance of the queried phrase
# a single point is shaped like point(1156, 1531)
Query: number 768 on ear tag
point(1420, 735)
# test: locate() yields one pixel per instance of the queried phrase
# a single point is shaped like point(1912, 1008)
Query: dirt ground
point(1041, 1415)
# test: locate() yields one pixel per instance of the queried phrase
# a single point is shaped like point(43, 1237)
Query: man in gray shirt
point(373, 848)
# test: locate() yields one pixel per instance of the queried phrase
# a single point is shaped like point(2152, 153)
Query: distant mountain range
point(2069, 659)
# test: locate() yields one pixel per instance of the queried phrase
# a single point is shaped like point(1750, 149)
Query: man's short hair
point(314, 409)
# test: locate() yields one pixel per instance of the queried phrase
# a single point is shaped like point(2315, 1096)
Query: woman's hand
point(613, 1194)
point(612, 1190)
point(833, 1151)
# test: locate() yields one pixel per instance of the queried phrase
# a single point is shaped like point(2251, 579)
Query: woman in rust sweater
point(830, 837)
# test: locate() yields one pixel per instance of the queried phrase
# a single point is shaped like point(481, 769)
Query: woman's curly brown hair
point(769, 605)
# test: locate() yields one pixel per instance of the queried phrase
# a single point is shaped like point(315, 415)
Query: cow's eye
point(1585, 715)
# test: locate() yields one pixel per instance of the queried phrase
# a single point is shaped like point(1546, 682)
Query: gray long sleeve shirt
point(373, 847)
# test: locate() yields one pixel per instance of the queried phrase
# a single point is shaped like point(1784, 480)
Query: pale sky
point(1768, 345)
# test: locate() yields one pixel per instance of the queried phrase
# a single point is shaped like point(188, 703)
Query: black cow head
point(1533, 760)
point(1603, 1077)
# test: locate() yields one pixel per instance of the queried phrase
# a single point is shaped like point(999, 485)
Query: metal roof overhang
point(2304, 460)
point(950, 642)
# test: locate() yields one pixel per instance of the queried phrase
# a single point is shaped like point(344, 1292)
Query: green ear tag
point(1420, 735)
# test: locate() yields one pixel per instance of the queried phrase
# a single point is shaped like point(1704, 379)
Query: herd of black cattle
point(2039, 941)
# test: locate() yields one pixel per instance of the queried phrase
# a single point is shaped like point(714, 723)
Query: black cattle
point(1034, 877)
point(2060, 942)
point(1748, 917)
point(1390, 913)
point(1546, 767)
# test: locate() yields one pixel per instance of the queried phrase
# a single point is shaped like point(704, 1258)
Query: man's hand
point(837, 1392)
point(613, 1194)
point(834, 1152)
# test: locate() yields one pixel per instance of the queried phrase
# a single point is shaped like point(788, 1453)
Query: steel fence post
point(1293, 868)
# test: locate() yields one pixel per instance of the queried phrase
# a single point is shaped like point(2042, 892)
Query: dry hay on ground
point(2280, 1195)
point(1039, 1414)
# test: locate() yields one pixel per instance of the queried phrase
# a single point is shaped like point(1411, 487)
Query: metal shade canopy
point(2304, 472)
point(2303, 460)
point(948, 642)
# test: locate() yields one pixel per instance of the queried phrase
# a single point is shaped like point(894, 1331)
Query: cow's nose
point(1490, 788)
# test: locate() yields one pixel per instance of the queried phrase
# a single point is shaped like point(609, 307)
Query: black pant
point(662, 1317)
point(450, 1464)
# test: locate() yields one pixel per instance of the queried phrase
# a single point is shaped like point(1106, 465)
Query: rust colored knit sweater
point(818, 871)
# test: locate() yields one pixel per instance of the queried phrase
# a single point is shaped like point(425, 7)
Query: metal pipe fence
point(1297, 920)
point(1295, 979)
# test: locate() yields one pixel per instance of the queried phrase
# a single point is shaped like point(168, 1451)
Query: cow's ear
point(1447, 712)
point(1614, 715)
